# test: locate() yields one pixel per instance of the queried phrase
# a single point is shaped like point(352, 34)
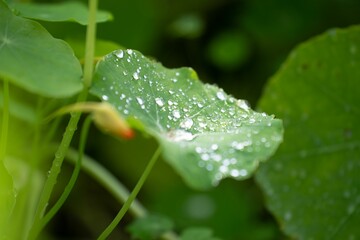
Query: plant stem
point(108, 181)
point(113, 185)
point(132, 196)
point(74, 176)
point(5, 123)
point(90, 43)
point(72, 125)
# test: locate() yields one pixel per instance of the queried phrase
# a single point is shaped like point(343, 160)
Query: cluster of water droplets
point(181, 109)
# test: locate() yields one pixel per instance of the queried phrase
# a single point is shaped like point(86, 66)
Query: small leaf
point(312, 184)
point(198, 234)
point(59, 12)
point(32, 59)
point(150, 227)
point(206, 134)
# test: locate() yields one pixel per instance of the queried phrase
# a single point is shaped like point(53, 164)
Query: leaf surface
point(312, 183)
point(206, 134)
point(59, 12)
point(32, 59)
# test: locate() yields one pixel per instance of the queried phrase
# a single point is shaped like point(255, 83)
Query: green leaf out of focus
point(59, 12)
point(229, 50)
point(198, 234)
point(205, 134)
point(33, 60)
point(150, 227)
point(312, 184)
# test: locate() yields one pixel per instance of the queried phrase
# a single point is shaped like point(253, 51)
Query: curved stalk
point(132, 196)
point(83, 136)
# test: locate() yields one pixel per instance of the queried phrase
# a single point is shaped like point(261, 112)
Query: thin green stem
point(132, 196)
point(72, 125)
point(90, 43)
point(5, 122)
point(108, 181)
point(83, 136)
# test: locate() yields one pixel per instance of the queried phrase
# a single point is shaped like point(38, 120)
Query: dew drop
point(159, 102)
point(198, 150)
point(140, 101)
point(223, 169)
point(243, 105)
point(180, 135)
point(214, 147)
point(129, 51)
point(235, 173)
point(176, 113)
point(187, 123)
point(220, 95)
point(136, 75)
point(240, 145)
point(120, 54)
point(205, 156)
point(104, 97)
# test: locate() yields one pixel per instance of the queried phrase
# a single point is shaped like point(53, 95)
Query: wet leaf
point(312, 184)
point(32, 59)
point(59, 12)
point(206, 134)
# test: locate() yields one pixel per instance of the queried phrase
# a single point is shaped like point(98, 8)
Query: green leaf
point(59, 12)
point(206, 134)
point(312, 185)
point(198, 234)
point(150, 227)
point(32, 59)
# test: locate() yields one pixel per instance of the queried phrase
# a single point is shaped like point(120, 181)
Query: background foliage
point(257, 36)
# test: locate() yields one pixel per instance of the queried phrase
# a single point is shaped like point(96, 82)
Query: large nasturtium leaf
point(206, 135)
point(312, 184)
point(59, 12)
point(32, 59)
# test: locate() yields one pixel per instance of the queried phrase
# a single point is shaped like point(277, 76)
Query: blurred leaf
point(32, 59)
point(229, 50)
point(150, 227)
point(206, 135)
point(59, 12)
point(28, 186)
point(198, 234)
point(7, 199)
point(312, 185)
point(19, 109)
point(187, 26)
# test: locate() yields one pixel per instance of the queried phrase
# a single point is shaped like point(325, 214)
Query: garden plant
point(301, 143)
